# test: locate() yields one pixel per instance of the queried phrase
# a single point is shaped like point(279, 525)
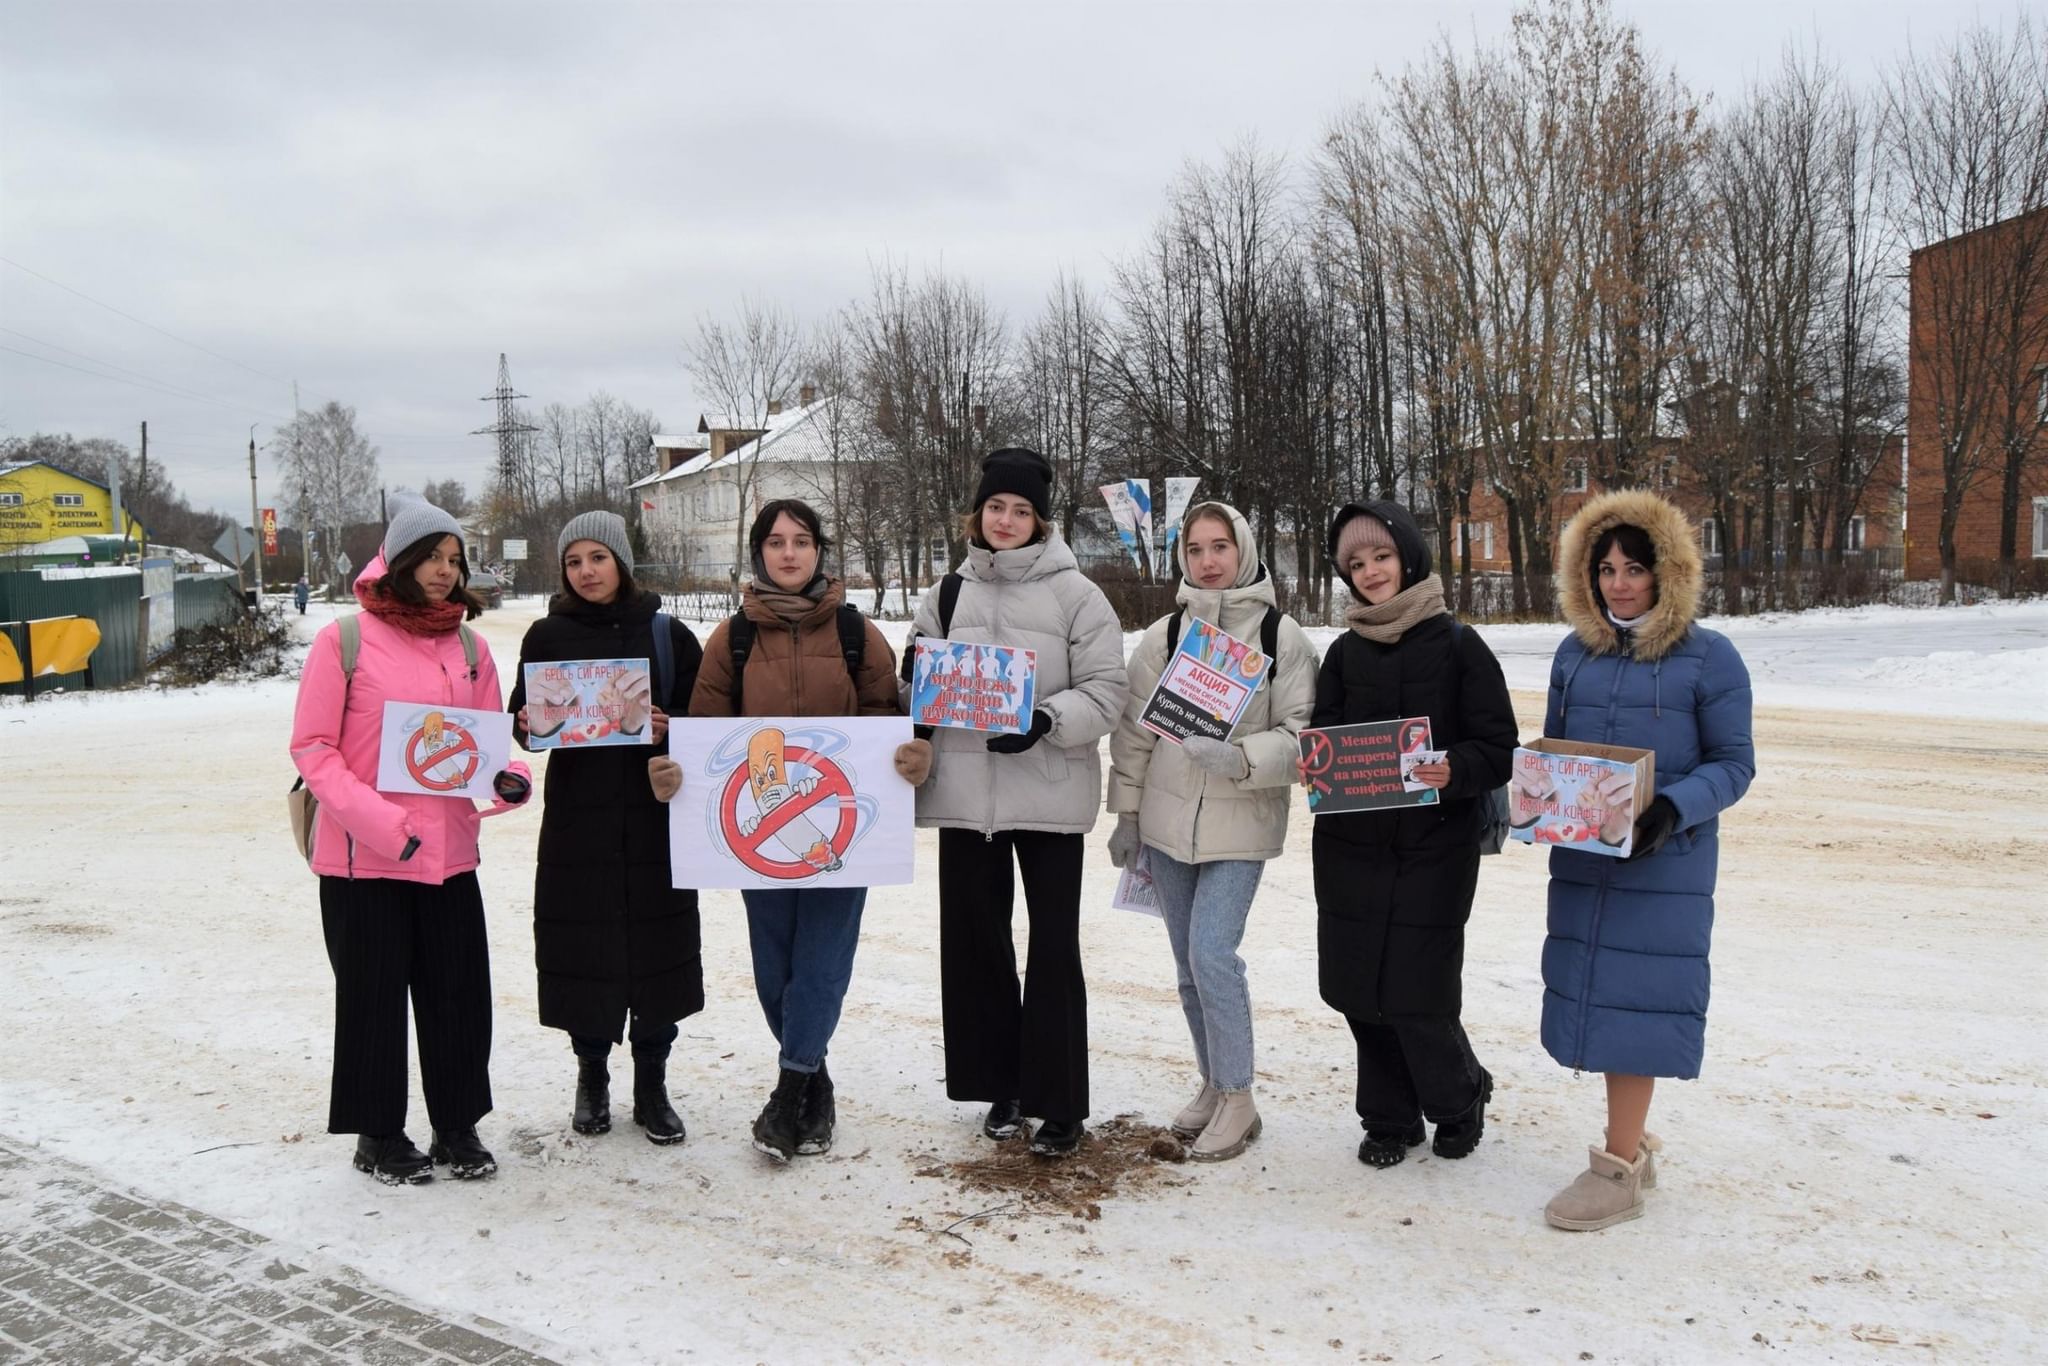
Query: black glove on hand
point(1041, 722)
point(1653, 828)
point(510, 787)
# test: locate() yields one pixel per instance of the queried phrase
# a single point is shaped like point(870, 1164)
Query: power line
point(164, 384)
point(140, 323)
point(140, 384)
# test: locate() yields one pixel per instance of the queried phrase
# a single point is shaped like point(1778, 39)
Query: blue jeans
point(1206, 906)
point(803, 941)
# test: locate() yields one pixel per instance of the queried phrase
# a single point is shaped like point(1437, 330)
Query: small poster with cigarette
point(1135, 890)
point(1208, 683)
point(1369, 766)
point(586, 703)
point(1580, 795)
point(442, 751)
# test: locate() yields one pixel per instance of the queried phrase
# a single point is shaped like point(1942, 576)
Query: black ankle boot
point(1458, 1136)
point(775, 1130)
point(593, 1097)
point(1003, 1120)
point(1057, 1138)
point(1383, 1147)
point(463, 1154)
point(816, 1116)
point(651, 1110)
point(392, 1159)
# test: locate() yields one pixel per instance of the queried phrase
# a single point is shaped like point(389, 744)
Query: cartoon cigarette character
point(434, 728)
point(768, 775)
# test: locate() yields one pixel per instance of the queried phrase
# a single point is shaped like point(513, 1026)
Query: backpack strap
point(1173, 631)
point(1269, 639)
point(853, 642)
point(664, 658)
point(739, 634)
point(468, 650)
point(352, 646)
point(949, 598)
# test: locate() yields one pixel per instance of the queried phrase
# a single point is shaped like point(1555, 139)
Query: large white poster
point(790, 801)
point(442, 751)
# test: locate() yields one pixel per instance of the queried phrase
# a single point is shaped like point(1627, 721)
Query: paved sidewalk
point(89, 1273)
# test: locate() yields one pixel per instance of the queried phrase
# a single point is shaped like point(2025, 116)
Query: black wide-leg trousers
point(1003, 1041)
point(1413, 1066)
point(388, 940)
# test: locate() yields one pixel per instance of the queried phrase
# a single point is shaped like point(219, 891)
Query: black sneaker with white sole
point(1057, 1138)
point(1004, 1119)
point(463, 1154)
point(393, 1159)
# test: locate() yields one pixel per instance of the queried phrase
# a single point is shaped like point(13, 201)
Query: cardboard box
point(1578, 780)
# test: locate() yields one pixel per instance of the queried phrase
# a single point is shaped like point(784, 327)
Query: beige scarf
point(1392, 619)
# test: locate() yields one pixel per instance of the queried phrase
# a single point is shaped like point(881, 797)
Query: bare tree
point(329, 468)
point(745, 366)
point(1064, 393)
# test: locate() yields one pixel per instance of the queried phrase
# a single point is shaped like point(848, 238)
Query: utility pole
point(255, 518)
point(141, 491)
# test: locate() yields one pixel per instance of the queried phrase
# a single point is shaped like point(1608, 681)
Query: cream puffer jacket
point(1186, 813)
point(1034, 597)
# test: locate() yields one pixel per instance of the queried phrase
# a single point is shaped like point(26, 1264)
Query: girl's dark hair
point(1634, 542)
point(970, 526)
point(400, 583)
point(801, 511)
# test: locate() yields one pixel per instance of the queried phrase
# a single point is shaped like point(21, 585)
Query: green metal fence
point(206, 600)
point(112, 600)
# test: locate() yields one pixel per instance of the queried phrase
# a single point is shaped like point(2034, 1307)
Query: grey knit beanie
point(608, 529)
point(414, 519)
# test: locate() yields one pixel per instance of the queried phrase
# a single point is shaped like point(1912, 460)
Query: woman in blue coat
point(1625, 964)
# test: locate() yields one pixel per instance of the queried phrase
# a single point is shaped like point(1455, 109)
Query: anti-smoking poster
point(587, 702)
point(442, 751)
point(1209, 681)
point(973, 687)
point(790, 802)
point(1368, 766)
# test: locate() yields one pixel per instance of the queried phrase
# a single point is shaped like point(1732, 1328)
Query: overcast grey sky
point(377, 199)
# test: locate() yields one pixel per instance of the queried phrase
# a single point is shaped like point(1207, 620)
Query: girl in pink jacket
point(399, 900)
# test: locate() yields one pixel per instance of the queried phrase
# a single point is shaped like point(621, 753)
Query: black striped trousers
point(385, 939)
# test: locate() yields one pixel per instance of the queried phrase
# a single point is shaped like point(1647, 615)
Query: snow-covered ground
point(1856, 1176)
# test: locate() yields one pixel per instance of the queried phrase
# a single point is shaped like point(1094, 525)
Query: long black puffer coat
point(1394, 888)
point(609, 932)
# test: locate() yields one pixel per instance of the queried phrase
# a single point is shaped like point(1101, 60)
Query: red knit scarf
point(424, 619)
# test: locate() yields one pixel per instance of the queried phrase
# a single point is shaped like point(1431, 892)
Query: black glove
point(1041, 722)
point(1653, 828)
point(510, 787)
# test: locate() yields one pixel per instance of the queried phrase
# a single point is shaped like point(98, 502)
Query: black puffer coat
point(609, 933)
point(1394, 888)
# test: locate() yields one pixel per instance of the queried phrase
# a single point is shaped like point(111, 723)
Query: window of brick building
point(2041, 528)
point(2041, 395)
point(1710, 537)
point(1575, 477)
point(1855, 537)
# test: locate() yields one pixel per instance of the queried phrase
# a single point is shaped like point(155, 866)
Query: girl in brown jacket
point(797, 649)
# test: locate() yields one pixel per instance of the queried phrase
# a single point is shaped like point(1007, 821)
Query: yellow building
point(39, 502)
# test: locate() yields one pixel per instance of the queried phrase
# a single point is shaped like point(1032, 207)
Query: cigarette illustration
point(768, 775)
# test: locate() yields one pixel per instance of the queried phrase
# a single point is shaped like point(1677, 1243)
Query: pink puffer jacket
point(362, 831)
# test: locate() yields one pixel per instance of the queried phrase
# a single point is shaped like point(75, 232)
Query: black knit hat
point(1018, 470)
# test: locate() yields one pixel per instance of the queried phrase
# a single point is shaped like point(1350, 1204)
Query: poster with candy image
point(1580, 795)
point(584, 703)
point(1208, 682)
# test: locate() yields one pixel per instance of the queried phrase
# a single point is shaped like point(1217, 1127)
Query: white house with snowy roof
point(696, 508)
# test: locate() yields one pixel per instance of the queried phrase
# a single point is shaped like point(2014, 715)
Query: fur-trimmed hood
point(1679, 572)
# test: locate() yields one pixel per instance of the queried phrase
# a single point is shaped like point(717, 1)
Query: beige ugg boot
point(1235, 1124)
point(1195, 1116)
point(1652, 1145)
point(1607, 1192)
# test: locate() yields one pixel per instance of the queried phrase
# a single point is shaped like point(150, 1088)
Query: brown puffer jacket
point(797, 669)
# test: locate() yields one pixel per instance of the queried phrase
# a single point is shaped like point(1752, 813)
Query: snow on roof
point(730, 422)
point(794, 435)
point(676, 441)
point(690, 466)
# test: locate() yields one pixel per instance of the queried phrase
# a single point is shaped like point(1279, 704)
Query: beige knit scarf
point(1389, 621)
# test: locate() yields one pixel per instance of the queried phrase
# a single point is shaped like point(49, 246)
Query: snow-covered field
point(1857, 1176)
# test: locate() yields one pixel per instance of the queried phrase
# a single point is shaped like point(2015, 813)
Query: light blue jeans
point(1206, 906)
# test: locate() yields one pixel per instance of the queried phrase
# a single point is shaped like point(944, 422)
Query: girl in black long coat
point(1394, 888)
point(618, 949)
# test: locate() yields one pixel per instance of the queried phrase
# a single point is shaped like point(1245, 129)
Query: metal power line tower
point(508, 426)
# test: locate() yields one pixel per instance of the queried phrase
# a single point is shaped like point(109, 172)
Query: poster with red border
point(1364, 767)
point(1208, 682)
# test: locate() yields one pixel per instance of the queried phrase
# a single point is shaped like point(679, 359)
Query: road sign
point(342, 564)
point(515, 549)
point(235, 545)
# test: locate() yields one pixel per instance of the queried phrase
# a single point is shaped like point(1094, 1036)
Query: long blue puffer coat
point(1625, 972)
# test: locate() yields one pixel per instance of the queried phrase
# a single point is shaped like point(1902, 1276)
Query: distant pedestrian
point(1625, 963)
point(301, 592)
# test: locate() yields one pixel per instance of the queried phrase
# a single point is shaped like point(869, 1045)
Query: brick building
point(1978, 374)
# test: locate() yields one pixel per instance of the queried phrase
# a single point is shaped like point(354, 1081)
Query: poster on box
point(1581, 795)
point(1368, 766)
point(973, 687)
point(1208, 682)
point(786, 801)
point(585, 703)
point(441, 751)
point(1135, 890)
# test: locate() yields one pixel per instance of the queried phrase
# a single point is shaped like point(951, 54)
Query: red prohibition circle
point(419, 767)
point(1319, 755)
point(1412, 732)
point(832, 782)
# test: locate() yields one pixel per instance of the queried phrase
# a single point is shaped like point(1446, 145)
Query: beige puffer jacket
point(1034, 597)
point(1183, 811)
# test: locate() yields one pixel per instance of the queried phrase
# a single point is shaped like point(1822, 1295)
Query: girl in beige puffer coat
point(1211, 812)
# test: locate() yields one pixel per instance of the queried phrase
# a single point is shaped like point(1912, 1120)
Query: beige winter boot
point(1190, 1122)
point(1652, 1145)
point(1235, 1124)
point(1607, 1192)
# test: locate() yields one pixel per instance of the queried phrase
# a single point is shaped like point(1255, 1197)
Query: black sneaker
point(1005, 1118)
point(392, 1159)
point(816, 1116)
point(1389, 1147)
point(1057, 1138)
point(463, 1154)
point(775, 1130)
point(1459, 1136)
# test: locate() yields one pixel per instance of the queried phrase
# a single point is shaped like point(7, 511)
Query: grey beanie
point(414, 519)
point(608, 529)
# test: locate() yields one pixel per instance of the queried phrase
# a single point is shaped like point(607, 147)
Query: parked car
point(489, 586)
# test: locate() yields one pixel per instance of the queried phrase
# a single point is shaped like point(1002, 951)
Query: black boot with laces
point(775, 1130)
point(463, 1154)
point(816, 1116)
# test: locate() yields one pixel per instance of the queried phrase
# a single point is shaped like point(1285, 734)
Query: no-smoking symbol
point(444, 767)
point(813, 851)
